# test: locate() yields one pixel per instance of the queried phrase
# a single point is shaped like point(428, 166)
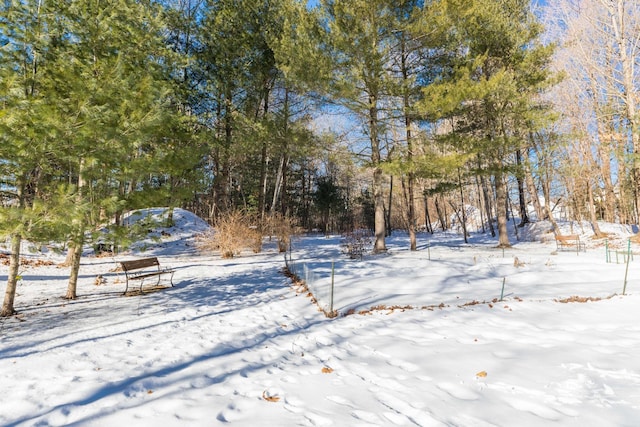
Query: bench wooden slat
point(131, 272)
point(139, 263)
point(570, 241)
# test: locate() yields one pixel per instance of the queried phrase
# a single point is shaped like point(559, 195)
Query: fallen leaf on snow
point(327, 370)
point(481, 374)
point(269, 398)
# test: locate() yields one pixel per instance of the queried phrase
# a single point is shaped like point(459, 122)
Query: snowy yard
point(235, 343)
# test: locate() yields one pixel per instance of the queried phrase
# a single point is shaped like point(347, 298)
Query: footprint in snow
point(289, 379)
point(294, 405)
point(233, 412)
point(534, 408)
point(340, 401)
point(317, 420)
point(405, 366)
point(367, 417)
point(405, 411)
point(458, 391)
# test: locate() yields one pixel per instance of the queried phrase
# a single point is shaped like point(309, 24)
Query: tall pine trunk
point(389, 208)
point(522, 202)
point(407, 126)
point(427, 218)
point(12, 280)
point(501, 210)
point(78, 239)
point(378, 194)
point(72, 286)
point(487, 204)
point(379, 218)
point(531, 186)
point(14, 259)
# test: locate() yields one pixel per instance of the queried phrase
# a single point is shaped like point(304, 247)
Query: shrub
point(282, 228)
point(356, 243)
point(232, 234)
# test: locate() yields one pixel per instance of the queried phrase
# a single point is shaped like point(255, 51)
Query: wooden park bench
point(145, 268)
point(570, 243)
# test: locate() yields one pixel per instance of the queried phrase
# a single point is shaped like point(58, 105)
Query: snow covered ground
point(235, 342)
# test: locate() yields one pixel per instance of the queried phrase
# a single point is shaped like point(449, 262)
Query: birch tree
point(600, 48)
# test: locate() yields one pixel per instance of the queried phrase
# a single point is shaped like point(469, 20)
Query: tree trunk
point(378, 193)
point(388, 220)
point(531, 186)
point(78, 240)
point(410, 218)
point(463, 208)
point(604, 152)
point(592, 213)
point(284, 195)
point(68, 260)
point(12, 280)
point(524, 217)
point(627, 50)
point(487, 205)
point(441, 216)
point(76, 252)
point(480, 205)
point(501, 211)
point(264, 159)
point(624, 202)
point(427, 218)
point(413, 244)
point(264, 162)
point(222, 193)
point(547, 212)
point(14, 258)
point(278, 185)
point(379, 224)
point(284, 201)
point(407, 126)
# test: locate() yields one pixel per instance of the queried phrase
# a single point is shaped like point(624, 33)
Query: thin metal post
point(333, 269)
point(626, 271)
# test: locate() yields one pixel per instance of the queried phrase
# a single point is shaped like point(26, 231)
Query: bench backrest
point(569, 237)
point(139, 263)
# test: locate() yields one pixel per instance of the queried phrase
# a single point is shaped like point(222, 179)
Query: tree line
point(217, 105)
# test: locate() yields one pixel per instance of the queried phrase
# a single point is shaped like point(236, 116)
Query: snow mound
point(183, 220)
point(163, 238)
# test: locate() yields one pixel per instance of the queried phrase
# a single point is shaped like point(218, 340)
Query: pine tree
point(26, 130)
point(341, 51)
point(490, 89)
point(111, 82)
